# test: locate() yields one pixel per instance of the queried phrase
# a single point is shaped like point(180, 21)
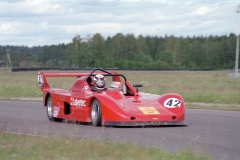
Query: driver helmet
point(99, 81)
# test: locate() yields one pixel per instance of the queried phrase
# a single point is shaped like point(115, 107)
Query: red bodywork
point(128, 108)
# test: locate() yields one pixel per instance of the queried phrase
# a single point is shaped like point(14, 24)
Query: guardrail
point(139, 69)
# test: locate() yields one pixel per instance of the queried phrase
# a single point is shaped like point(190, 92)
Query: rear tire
point(49, 108)
point(96, 113)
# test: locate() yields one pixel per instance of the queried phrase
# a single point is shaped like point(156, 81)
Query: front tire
point(49, 108)
point(96, 113)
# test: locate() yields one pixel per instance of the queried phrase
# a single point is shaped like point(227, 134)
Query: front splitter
point(146, 123)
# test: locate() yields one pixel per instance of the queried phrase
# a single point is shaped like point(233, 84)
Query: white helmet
point(99, 81)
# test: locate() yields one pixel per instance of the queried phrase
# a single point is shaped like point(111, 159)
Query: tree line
point(129, 52)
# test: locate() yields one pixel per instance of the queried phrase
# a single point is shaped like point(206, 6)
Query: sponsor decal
point(148, 110)
point(86, 88)
point(62, 98)
point(172, 103)
point(88, 92)
point(56, 110)
point(78, 102)
point(115, 84)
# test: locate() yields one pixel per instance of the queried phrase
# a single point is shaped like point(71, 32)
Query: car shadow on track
point(112, 126)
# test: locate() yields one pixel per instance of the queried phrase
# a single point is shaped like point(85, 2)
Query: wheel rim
point(49, 107)
point(95, 111)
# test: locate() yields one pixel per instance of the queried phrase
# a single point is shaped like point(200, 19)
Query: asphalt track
point(213, 133)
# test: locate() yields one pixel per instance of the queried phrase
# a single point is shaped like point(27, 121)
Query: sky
point(51, 22)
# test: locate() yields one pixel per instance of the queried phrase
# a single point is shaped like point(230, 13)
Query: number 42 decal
point(172, 103)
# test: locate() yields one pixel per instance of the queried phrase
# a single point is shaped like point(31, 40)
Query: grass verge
point(22, 147)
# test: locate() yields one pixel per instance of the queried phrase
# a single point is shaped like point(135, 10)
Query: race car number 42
point(172, 103)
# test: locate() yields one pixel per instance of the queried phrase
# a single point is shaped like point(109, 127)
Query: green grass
point(22, 147)
point(195, 86)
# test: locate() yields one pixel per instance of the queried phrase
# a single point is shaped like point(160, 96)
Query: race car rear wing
point(43, 81)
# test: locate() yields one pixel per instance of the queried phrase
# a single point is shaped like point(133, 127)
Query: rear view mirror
point(137, 85)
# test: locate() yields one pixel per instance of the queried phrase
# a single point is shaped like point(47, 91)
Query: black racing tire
point(49, 108)
point(96, 113)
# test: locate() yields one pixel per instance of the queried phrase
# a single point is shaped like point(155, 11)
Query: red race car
point(120, 104)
